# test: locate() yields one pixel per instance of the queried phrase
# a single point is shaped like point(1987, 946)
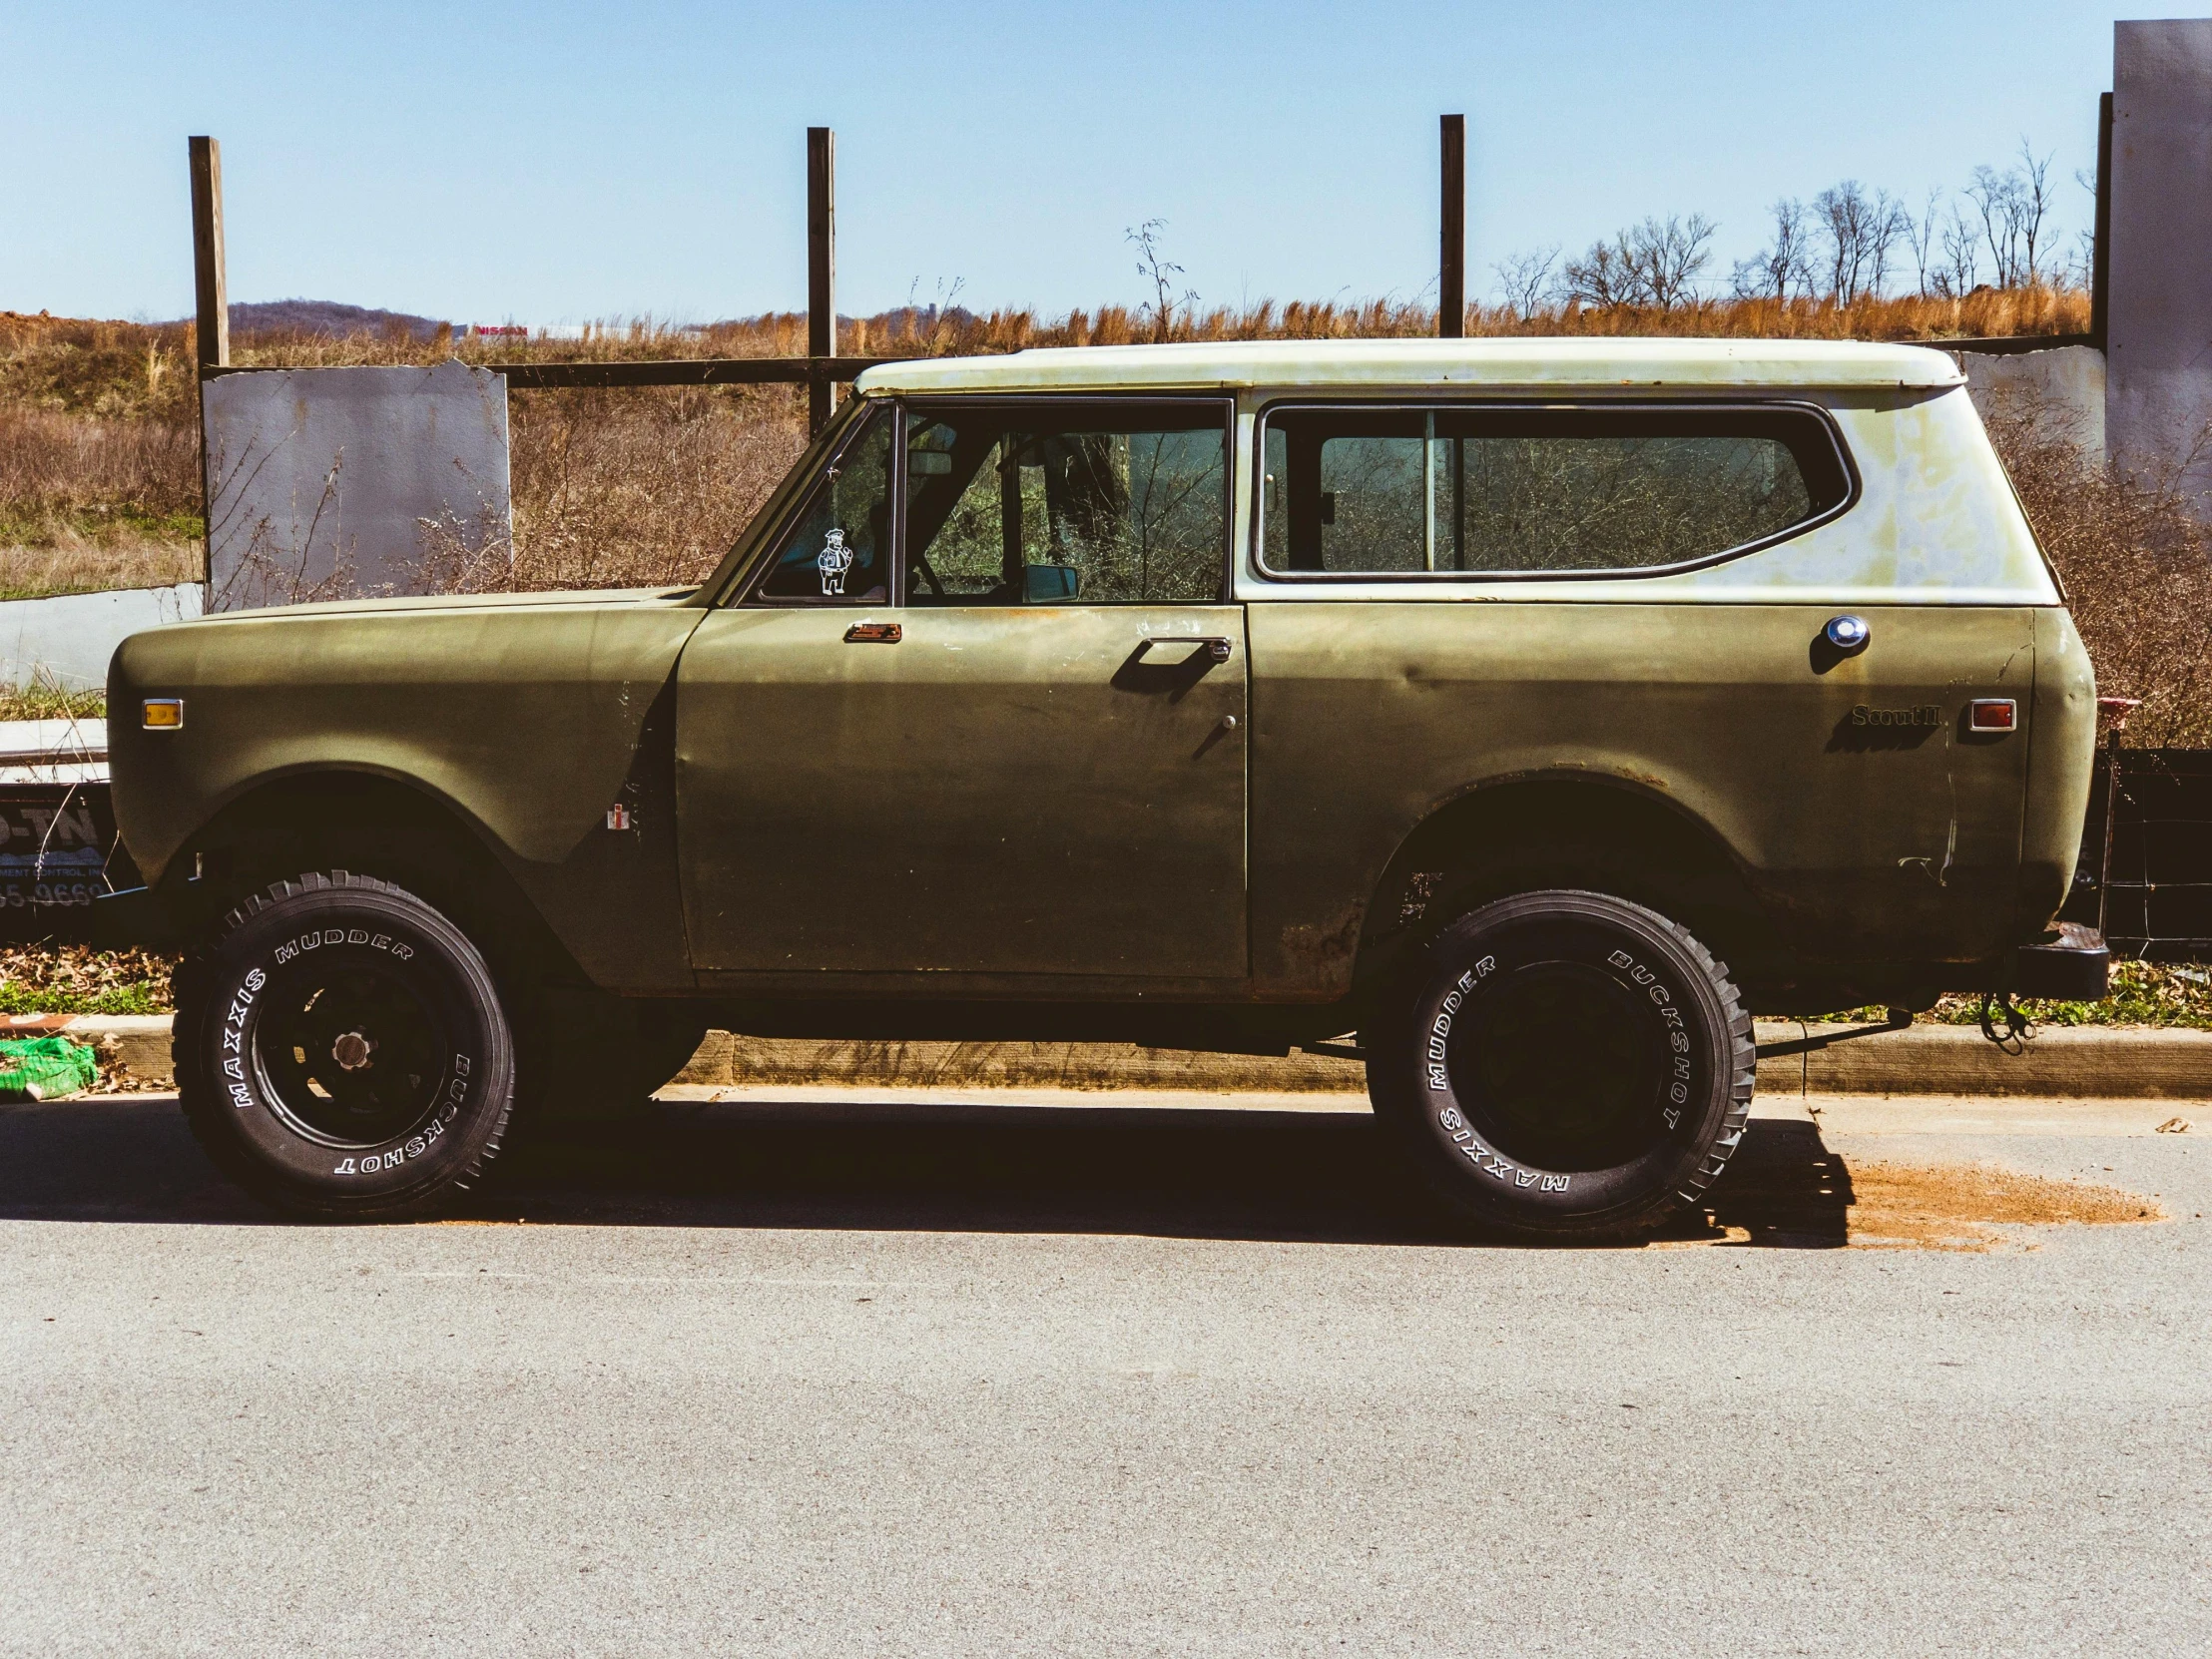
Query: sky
point(562, 162)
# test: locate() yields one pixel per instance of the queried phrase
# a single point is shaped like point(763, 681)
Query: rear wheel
point(342, 1051)
point(1564, 1064)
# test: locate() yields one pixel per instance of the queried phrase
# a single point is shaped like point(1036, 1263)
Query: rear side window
point(1530, 492)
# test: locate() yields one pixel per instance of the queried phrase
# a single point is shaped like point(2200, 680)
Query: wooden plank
point(687, 371)
point(2003, 346)
point(209, 284)
point(821, 270)
point(1451, 285)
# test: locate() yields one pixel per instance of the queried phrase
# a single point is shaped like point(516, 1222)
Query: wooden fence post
point(1451, 286)
point(210, 313)
point(214, 309)
point(821, 272)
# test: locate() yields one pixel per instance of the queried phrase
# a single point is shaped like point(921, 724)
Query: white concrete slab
point(67, 639)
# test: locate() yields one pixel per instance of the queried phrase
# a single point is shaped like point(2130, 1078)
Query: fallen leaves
point(76, 979)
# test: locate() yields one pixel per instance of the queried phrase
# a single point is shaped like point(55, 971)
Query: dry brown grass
point(90, 473)
point(99, 479)
point(2137, 562)
point(69, 565)
point(643, 488)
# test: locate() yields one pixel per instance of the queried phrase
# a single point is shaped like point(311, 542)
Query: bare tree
point(1784, 267)
point(1656, 262)
point(1922, 234)
point(1604, 278)
point(1528, 281)
point(2032, 204)
point(1860, 231)
point(1672, 254)
point(1890, 225)
point(1961, 257)
point(1156, 268)
point(1996, 197)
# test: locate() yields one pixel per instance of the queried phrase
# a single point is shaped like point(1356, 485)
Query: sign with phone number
point(55, 844)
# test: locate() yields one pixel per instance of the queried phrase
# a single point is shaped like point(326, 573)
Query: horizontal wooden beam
point(2006, 346)
point(665, 371)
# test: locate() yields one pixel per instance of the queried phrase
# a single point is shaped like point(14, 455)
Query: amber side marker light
point(1993, 714)
point(164, 714)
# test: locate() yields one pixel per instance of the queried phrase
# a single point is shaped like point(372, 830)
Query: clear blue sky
point(567, 160)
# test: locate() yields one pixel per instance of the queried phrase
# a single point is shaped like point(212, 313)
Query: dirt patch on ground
point(1972, 1206)
point(1786, 1189)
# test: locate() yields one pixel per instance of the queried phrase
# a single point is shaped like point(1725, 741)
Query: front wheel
point(342, 1052)
point(1564, 1065)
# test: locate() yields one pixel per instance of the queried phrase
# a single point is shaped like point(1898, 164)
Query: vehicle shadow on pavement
point(1231, 1174)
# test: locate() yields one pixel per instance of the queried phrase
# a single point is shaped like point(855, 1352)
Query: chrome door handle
point(1217, 647)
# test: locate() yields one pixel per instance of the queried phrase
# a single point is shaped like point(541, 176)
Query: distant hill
point(325, 317)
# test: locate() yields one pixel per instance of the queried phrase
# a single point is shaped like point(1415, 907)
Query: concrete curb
point(2111, 1062)
point(730, 1061)
point(2084, 1062)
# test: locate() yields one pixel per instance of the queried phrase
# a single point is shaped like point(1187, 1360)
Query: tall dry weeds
point(628, 488)
point(2136, 561)
point(98, 437)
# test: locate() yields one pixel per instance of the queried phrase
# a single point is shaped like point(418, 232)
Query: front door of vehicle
point(1035, 766)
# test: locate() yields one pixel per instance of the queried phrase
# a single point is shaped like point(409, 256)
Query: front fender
point(526, 720)
point(525, 724)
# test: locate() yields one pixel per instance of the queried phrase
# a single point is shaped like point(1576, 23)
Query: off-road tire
point(1563, 1065)
point(301, 1116)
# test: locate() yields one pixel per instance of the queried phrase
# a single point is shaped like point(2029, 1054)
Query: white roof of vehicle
point(1583, 362)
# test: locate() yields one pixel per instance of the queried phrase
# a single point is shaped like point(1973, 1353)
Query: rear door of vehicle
point(1846, 785)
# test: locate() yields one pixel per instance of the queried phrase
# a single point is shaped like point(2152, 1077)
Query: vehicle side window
point(1536, 491)
point(839, 552)
point(1053, 504)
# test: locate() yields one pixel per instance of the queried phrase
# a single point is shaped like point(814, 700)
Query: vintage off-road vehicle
point(1532, 709)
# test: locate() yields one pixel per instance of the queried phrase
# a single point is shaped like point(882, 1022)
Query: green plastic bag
point(46, 1068)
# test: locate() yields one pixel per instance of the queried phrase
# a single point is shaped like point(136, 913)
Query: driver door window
point(840, 550)
point(1098, 504)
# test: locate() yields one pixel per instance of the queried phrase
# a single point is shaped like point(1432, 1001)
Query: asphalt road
point(1091, 1380)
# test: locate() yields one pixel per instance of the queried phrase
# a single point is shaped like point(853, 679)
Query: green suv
point(1532, 709)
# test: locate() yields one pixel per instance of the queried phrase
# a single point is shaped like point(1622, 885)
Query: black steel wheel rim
point(1562, 1065)
point(351, 1052)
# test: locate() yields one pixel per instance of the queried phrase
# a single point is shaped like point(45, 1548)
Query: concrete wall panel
point(2158, 389)
point(327, 483)
point(67, 640)
point(2066, 383)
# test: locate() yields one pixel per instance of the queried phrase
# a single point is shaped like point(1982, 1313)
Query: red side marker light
point(1993, 714)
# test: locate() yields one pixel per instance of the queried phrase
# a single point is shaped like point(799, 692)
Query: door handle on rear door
point(1217, 646)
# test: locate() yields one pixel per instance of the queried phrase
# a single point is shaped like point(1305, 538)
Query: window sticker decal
point(833, 561)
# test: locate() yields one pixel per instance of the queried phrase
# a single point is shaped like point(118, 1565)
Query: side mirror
point(929, 463)
point(1050, 584)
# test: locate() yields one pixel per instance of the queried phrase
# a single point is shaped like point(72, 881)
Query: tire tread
point(200, 1102)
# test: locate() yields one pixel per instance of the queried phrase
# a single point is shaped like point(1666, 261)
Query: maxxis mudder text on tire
point(1564, 1064)
point(341, 1050)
